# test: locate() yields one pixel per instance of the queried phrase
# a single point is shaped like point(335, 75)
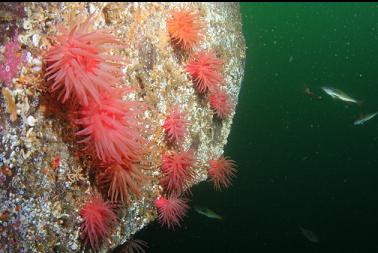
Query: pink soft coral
point(185, 28)
point(98, 218)
point(113, 127)
point(221, 172)
point(122, 179)
point(177, 168)
point(13, 57)
point(78, 65)
point(171, 210)
point(175, 126)
point(220, 103)
point(205, 67)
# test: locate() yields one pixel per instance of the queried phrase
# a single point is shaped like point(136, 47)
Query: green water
point(301, 161)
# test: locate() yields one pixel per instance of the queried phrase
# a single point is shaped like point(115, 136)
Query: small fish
point(338, 94)
point(365, 119)
point(208, 213)
point(311, 236)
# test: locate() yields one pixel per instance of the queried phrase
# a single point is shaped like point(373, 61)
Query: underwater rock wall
point(46, 176)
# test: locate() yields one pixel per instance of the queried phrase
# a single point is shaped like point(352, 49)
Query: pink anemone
point(221, 172)
point(171, 210)
point(177, 168)
point(98, 219)
point(220, 103)
point(185, 28)
point(175, 126)
point(113, 127)
point(78, 65)
point(205, 69)
point(122, 179)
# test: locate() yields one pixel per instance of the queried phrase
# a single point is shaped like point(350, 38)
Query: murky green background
point(301, 161)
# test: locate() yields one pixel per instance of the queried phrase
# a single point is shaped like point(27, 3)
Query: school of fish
point(340, 95)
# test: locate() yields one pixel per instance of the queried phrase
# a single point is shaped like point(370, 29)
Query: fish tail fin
point(360, 102)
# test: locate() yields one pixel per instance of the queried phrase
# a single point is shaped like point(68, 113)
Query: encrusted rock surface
point(43, 180)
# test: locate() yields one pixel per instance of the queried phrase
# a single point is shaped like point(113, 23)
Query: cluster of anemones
point(177, 170)
point(185, 29)
point(205, 70)
point(82, 73)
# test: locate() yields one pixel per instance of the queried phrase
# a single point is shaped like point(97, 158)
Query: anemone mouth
point(87, 63)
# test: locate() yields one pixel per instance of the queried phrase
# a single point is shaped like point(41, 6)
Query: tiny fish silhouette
point(338, 94)
point(207, 212)
point(311, 236)
point(365, 119)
